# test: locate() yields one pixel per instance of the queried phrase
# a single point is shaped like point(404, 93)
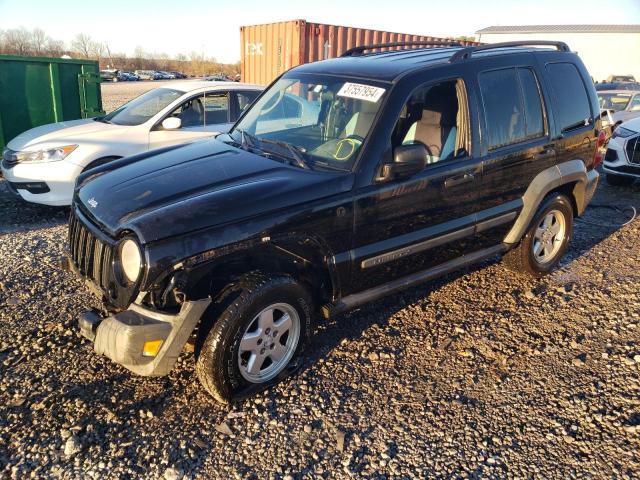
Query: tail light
point(598, 156)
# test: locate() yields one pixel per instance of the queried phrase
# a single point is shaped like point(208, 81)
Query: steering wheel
point(275, 103)
point(345, 147)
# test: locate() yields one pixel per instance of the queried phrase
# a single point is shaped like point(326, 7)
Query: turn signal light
point(151, 349)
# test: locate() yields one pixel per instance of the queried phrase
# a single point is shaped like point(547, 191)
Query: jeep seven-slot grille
point(633, 150)
point(91, 256)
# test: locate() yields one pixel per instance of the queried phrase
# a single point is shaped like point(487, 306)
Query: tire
point(619, 180)
point(224, 363)
point(539, 251)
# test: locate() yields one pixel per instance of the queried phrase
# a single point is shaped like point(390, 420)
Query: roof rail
point(357, 51)
point(466, 53)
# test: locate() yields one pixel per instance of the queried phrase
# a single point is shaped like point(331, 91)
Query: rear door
point(516, 144)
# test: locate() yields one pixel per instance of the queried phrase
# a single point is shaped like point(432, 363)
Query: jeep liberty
point(346, 180)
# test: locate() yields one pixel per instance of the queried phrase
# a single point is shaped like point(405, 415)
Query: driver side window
point(203, 110)
point(436, 116)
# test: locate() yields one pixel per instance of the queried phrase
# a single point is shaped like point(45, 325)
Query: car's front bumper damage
point(124, 337)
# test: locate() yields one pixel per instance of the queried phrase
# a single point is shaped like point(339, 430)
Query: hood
point(61, 131)
point(196, 186)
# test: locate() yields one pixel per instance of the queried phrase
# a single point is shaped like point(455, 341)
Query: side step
point(355, 300)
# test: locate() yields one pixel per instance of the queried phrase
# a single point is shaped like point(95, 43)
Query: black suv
point(347, 180)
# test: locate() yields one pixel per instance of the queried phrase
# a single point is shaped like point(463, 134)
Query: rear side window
point(534, 123)
point(572, 101)
point(512, 104)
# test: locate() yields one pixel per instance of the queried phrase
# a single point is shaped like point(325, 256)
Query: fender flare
point(572, 171)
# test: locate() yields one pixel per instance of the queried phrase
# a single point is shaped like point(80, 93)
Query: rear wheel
point(257, 339)
point(619, 180)
point(547, 239)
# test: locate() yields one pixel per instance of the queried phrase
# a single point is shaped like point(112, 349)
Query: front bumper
point(617, 160)
point(59, 178)
point(121, 336)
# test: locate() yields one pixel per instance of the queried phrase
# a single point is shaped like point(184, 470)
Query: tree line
point(36, 42)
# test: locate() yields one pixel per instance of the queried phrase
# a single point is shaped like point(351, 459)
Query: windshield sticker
point(361, 92)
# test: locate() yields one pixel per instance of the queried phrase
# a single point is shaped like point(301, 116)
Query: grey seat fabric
point(193, 115)
point(436, 127)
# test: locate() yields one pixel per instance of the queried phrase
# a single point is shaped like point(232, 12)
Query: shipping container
point(36, 91)
point(271, 49)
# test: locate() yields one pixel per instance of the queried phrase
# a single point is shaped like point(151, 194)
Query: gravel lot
point(482, 374)
point(115, 94)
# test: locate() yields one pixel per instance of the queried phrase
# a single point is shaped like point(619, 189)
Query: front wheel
point(547, 239)
point(258, 338)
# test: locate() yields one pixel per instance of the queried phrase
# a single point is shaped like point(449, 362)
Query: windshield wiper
point(296, 152)
point(101, 120)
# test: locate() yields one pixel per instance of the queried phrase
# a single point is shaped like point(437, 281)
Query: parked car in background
point(109, 75)
point(167, 75)
point(621, 78)
point(622, 158)
point(147, 75)
point(127, 77)
point(617, 86)
point(622, 105)
point(41, 164)
point(179, 75)
point(412, 164)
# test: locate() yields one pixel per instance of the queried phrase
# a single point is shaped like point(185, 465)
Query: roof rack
point(466, 53)
point(357, 51)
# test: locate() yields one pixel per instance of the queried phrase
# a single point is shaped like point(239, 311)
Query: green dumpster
point(36, 91)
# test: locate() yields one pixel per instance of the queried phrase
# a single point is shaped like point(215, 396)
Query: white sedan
point(42, 164)
point(622, 160)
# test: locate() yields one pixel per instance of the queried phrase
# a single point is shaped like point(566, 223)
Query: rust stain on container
point(270, 49)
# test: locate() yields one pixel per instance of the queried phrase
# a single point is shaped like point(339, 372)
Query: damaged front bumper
point(124, 337)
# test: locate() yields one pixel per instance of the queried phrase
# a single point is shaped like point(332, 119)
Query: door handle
point(546, 150)
point(459, 180)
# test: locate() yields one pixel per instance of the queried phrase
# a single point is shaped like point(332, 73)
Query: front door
point(201, 116)
point(411, 224)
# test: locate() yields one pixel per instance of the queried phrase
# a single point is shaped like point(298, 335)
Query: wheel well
point(100, 161)
point(568, 189)
point(308, 266)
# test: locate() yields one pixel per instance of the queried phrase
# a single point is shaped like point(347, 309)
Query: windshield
point(614, 101)
point(142, 108)
point(317, 120)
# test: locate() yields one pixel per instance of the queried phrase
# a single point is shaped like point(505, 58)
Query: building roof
point(561, 29)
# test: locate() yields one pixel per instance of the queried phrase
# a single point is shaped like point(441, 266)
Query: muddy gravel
point(481, 374)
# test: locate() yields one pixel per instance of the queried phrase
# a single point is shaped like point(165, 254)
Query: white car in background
point(622, 159)
point(42, 164)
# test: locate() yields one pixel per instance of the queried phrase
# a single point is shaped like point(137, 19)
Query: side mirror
point(407, 160)
point(171, 123)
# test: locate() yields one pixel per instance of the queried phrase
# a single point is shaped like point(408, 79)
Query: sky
point(213, 28)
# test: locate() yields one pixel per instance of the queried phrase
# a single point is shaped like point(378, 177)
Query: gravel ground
point(115, 94)
point(482, 374)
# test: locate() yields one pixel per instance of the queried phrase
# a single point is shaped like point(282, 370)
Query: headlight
point(622, 132)
point(51, 155)
point(130, 260)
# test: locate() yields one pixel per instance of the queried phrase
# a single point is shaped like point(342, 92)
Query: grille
point(9, 159)
point(633, 150)
point(91, 255)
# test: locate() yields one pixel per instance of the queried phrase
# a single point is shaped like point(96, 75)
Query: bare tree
point(55, 48)
point(39, 41)
point(82, 44)
point(18, 41)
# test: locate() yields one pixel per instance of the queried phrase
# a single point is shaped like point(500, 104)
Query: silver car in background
point(622, 105)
